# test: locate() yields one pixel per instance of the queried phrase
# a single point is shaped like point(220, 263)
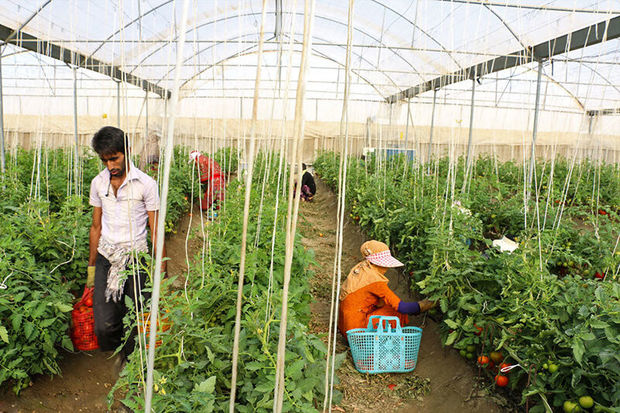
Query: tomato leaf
point(207, 386)
point(4, 335)
point(578, 350)
point(453, 335)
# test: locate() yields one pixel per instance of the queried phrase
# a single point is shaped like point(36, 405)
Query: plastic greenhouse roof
point(396, 44)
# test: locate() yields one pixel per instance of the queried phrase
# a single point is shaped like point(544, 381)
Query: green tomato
point(463, 353)
point(553, 368)
point(470, 356)
point(471, 348)
point(545, 366)
point(586, 402)
point(571, 407)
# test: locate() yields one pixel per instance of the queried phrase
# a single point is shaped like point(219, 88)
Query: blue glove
point(409, 308)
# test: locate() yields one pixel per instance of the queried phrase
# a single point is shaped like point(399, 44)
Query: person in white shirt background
point(124, 201)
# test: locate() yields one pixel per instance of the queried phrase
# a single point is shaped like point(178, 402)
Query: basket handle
point(88, 292)
point(384, 319)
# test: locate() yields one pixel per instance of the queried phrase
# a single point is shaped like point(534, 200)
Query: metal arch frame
point(247, 49)
point(232, 41)
point(524, 46)
point(28, 20)
point(279, 12)
point(528, 6)
point(415, 26)
point(249, 52)
point(289, 13)
point(551, 79)
point(136, 20)
point(506, 26)
point(54, 51)
point(376, 68)
point(588, 36)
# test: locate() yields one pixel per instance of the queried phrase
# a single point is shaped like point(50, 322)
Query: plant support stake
point(161, 219)
point(471, 132)
point(118, 104)
point(535, 126)
point(76, 157)
point(430, 140)
point(2, 159)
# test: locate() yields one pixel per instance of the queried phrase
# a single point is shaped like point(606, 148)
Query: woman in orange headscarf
point(365, 292)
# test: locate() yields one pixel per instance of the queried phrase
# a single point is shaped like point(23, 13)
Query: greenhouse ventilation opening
point(436, 126)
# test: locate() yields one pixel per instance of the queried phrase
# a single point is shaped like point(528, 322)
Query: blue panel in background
point(409, 153)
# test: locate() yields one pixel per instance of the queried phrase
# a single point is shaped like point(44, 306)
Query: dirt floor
point(83, 387)
point(442, 381)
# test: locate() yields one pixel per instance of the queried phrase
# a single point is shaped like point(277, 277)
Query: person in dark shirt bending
point(308, 186)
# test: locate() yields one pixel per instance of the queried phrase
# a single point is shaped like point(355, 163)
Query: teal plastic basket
point(388, 348)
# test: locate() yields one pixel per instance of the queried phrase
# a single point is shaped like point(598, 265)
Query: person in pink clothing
point(211, 179)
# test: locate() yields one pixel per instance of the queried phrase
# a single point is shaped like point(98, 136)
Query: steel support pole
point(471, 131)
point(146, 114)
point(390, 124)
point(407, 127)
point(430, 140)
point(591, 116)
point(76, 157)
point(535, 126)
point(118, 104)
point(2, 157)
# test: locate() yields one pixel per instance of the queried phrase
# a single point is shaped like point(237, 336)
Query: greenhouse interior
point(353, 206)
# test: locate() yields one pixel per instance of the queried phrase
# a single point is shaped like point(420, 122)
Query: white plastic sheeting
point(396, 44)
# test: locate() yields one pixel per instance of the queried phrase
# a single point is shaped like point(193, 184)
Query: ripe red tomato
point(599, 275)
point(479, 330)
point(482, 360)
point(88, 302)
point(602, 212)
point(501, 366)
point(501, 381)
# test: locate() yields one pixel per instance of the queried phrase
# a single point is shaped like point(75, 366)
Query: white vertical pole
point(118, 104)
point(407, 127)
point(76, 157)
point(161, 220)
point(2, 158)
point(146, 114)
point(430, 141)
point(471, 132)
point(535, 127)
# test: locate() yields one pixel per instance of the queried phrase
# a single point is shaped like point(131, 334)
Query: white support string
point(342, 184)
point(246, 213)
point(293, 205)
point(163, 208)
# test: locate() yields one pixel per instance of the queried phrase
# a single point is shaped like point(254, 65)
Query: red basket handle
point(88, 293)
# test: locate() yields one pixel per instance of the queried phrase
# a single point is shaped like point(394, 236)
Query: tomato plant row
point(540, 305)
point(193, 362)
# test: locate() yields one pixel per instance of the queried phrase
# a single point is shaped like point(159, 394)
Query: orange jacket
point(365, 293)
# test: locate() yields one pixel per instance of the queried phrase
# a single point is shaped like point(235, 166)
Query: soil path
point(442, 381)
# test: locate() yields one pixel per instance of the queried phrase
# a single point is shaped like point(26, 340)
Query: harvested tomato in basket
point(163, 324)
point(83, 331)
